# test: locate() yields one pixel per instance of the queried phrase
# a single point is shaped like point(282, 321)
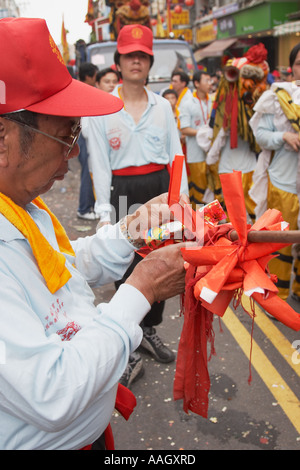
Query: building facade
point(8, 8)
point(227, 29)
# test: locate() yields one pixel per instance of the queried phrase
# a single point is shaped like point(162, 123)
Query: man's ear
point(3, 144)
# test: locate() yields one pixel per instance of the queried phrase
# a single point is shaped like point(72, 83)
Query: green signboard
point(255, 19)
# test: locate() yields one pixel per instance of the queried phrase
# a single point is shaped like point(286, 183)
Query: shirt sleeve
point(103, 257)
point(185, 116)
point(99, 163)
point(267, 136)
point(50, 383)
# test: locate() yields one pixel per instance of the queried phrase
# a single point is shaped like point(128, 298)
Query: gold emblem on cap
point(137, 33)
point(55, 49)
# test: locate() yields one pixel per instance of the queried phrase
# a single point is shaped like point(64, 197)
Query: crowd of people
point(210, 146)
point(209, 152)
point(216, 136)
point(68, 360)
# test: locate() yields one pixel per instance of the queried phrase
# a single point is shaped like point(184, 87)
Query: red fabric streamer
point(234, 120)
point(220, 271)
point(231, 114)
point(125, 404)
point(191, 369)
point(257, 54)
point(175, 179)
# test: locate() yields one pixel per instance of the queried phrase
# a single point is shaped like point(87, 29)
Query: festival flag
point(169, 17)
point(160, 33)
point(64, 43)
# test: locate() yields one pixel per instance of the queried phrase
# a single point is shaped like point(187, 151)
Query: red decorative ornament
point(219, 270)
point(153, 22)
point(256, 54)
point(189, 3)
point(178, 9)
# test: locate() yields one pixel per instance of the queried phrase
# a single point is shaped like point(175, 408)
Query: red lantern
point(189, 3)
point(178, 9)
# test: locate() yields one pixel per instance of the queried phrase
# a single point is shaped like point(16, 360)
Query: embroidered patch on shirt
point(68, 331)
point(115, 143)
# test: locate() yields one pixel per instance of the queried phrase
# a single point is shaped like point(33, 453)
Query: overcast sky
point(52, 11)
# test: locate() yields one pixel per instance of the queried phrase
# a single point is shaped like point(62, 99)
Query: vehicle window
point(167, 57)
point(103, 57)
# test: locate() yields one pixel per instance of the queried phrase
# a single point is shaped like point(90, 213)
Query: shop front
point(242, 29)
point(288, 35)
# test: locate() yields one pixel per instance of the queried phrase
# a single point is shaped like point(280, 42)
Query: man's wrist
point(137, 243)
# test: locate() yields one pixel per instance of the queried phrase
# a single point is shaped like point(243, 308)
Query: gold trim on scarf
point(290, 109)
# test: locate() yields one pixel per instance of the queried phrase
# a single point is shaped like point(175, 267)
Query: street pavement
point(261, 415)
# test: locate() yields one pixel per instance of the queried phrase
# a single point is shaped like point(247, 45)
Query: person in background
point(215, 79)
point(276, 76)
point(87, 74)
point(287, 75)
point(195, 113)
point(179, 82)
point(64, 355)
point(172, 96)
point(230, 143)
point(130, 153)
point(107, 79)
point(276, 179)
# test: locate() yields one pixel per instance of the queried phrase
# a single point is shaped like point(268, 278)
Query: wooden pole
point(270, 236)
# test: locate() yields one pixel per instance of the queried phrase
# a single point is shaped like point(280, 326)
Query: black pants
point(138, 189)
point(99, 444)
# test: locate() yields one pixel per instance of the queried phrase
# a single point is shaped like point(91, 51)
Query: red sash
point(125, 403)
point(139, 170)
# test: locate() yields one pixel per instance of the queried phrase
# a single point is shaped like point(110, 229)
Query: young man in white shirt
point(195, 113)
point(130, 153)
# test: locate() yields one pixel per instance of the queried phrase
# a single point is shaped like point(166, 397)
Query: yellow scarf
point(290, 109)
point(50, 262)
point(178, 103)
point(182, 94)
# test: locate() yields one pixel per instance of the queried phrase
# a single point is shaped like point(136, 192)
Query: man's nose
point(136, 58)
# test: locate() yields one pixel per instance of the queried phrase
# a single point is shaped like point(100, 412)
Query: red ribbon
point(219, 271)
point(125, 404)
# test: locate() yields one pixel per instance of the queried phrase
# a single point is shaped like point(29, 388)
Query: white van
point(169, 54)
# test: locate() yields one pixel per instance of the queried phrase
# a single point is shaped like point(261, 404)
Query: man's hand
point(292, 139)
point(161, 275)
point(152, 214)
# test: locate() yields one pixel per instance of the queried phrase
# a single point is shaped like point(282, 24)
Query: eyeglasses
point(76, 129)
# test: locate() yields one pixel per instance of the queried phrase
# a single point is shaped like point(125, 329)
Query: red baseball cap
point(275, 73)
point(133, 38)
point(33, 75)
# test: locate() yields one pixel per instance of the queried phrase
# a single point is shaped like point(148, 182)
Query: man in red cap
point(61, 357)
point(130, 152)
